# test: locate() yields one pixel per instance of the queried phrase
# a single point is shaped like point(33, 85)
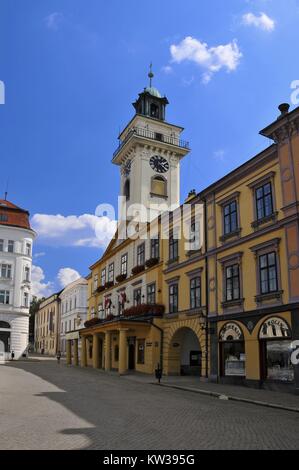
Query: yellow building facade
point(227, 309)
point(47, 322)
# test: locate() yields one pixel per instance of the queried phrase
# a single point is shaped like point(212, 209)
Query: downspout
point(207, 287)
point(162, 342)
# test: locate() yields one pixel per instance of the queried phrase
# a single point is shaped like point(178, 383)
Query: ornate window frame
point(230, 306)
point(268, 178)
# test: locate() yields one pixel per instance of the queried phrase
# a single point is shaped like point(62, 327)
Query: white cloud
point(53, 20)
point(261, 21)
point(72, 230)
point(219, 155)
point(211, 59)
point(67, 275)
point(167, 69)
point(39, 255)
point(39, 287)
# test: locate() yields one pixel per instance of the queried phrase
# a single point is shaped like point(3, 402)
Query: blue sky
point(72, 68)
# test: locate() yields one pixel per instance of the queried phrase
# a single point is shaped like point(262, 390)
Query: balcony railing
point(157, 136)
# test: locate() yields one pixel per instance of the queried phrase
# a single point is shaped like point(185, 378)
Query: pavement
point(45, 405)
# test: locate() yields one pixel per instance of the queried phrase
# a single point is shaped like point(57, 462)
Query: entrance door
point(2, 352)
point(131, 356)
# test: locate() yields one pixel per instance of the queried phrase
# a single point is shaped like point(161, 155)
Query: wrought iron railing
point(157, 136)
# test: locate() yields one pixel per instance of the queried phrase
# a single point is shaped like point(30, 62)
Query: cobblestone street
point(44, 405)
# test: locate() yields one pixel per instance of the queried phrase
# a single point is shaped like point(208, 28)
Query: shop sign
point(231, 332)
point(275, 328)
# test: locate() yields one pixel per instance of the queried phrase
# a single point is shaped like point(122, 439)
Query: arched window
point(4, 324)
point(232, 349)
point(159, 186)
point(127, 189)
point(154, 110)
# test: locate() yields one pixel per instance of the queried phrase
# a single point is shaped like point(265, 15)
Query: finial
point(150, 75)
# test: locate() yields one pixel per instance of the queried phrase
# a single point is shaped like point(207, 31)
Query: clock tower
point(149, 154)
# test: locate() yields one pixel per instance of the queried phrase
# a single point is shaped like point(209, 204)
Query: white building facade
point(16, 241)
point(73, 311)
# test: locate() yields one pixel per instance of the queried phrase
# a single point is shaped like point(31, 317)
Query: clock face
point(159, 164)
point(126, 168)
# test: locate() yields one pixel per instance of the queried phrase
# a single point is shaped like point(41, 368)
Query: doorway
point(131, 356)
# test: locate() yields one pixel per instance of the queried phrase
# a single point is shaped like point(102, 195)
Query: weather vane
point(150, 75)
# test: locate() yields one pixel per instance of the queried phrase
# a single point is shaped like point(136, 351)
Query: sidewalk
point(279, 400)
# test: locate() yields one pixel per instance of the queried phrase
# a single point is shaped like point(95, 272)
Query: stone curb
point(229, 397)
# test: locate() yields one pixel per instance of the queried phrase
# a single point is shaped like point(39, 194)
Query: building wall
point(16, 313)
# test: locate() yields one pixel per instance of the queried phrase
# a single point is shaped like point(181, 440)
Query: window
point(26, 299)
point(154, 110)
point(195, 297)
point(6, 271)
point(111, 272)
point(268, 273)
point(141, 254)
point(103, 277)
point(230, 217)
point(151, 294)
point(3, 218)
point(155, 248)
point(232, 282)
point(173, 298)
point(28, 249)
point(27, 274)
point(124, 264)
point(233, 353)
point(264, 201)
point(4, 297)
point(137, 297)
point(140, 351)
point(173, 248)
point(159, 186)
point(11, 245)
point(1, 245)
point(127, 189)
point(95, 282)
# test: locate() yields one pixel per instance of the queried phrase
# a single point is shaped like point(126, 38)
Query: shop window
point(275, 336)
point(140, 351)
point(232, 348)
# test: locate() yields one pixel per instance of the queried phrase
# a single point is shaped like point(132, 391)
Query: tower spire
point(150, 75)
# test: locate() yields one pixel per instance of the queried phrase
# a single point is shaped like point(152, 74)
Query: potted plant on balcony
point(151, 262)
point(92, 322)
point(109, 284)
point(100, 289)
point(144, 309)
point(138, 269)
point(121, 277)
point(110, 317)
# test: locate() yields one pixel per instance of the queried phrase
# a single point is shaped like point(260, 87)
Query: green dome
point(153, 91)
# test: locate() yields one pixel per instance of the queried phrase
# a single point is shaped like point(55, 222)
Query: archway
point(185, 353)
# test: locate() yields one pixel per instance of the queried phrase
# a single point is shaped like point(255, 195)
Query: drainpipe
point(162, 342)
point(207, 287)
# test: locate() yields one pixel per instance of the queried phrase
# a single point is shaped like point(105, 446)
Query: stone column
point(96, 352)
point(107, 350)
point(76, 357)
point(69, 352)
point(83, 351)
point(122, 360)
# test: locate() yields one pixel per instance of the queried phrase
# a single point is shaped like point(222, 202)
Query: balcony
point(142, 310)
point(156, 136)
